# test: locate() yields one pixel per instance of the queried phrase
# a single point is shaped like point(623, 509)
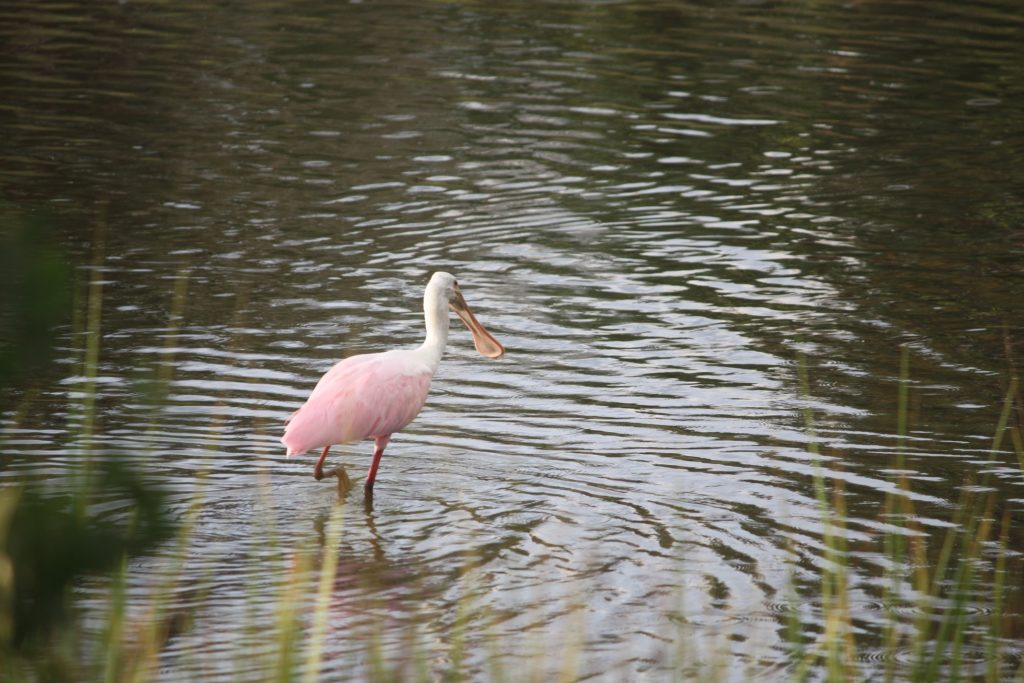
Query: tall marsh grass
point(928, 589)
point(928, 586)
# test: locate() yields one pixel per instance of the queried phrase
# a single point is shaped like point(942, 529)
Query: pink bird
point(374, 395)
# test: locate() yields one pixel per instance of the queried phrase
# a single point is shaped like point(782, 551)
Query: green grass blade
point(328, 569)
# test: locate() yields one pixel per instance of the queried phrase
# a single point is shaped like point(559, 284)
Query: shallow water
point(658, 208)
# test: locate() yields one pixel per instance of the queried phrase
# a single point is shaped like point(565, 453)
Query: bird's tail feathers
point(293, 443)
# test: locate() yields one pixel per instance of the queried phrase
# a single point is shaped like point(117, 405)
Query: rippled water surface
point(658, 208)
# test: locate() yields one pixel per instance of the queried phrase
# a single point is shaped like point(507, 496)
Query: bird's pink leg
point(380, 442)
point(318, 471)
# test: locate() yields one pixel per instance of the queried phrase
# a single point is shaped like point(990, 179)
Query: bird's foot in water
point(344, 481)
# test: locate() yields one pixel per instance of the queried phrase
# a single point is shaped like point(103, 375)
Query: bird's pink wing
point(360, 397)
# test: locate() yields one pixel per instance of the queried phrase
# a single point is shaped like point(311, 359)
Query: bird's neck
point(435, 314)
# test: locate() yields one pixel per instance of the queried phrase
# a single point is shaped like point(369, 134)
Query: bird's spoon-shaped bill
point(484, 342)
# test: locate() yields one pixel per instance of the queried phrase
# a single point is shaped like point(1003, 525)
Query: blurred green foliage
point(49, 541)
point(34, 295)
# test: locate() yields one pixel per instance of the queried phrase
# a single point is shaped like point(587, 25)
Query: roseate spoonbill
point(374, 395)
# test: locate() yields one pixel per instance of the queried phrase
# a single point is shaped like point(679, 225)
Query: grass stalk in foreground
point(993, 639)
point(113, 636)
point(895, 548)
point(155, 626)
point(971, 527)
point(328, 568)
point(836, 643)
point(292, 589)
point(90, 364)
point(797, 649)
point(458, 629)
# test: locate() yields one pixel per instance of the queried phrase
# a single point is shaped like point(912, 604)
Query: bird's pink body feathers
point(362, 397)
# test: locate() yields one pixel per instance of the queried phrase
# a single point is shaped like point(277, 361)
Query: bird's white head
point(446, 288)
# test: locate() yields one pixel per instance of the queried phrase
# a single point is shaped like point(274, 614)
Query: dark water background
point(656, 207)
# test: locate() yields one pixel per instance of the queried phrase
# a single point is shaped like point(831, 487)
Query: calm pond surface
point(658, 208)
